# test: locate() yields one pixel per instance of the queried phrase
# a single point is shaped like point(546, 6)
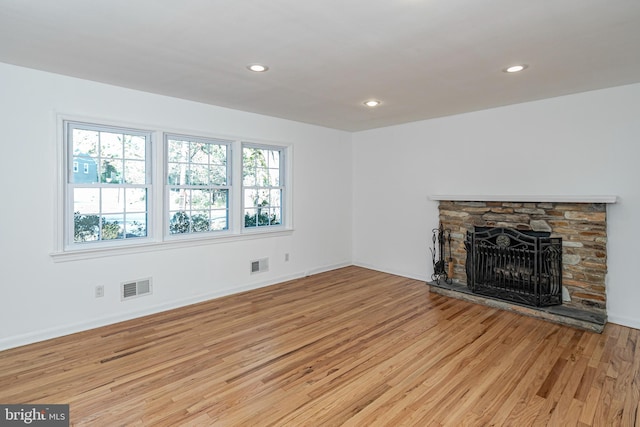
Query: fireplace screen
point(522, 267)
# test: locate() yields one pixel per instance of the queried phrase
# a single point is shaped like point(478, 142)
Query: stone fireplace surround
point(579, 220)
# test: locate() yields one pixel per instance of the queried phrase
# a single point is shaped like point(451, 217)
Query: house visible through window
point(109, 201)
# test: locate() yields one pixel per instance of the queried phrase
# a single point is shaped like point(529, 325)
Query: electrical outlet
point(99, 291)
point(286, 257)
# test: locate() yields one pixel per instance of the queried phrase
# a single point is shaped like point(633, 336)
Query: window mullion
point(194, 166)
point(236, 204)
point(131, 204)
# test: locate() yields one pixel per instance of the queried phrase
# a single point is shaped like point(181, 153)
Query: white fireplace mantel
point(524, 198)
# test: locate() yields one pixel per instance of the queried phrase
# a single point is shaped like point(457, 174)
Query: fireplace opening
point(524, 267)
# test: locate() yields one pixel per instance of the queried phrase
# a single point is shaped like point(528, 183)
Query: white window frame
point(282, 167)
point(167, 215)
point(157, 219)
point(69, 186)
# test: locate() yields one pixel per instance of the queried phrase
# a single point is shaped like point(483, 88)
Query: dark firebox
point(524, 267)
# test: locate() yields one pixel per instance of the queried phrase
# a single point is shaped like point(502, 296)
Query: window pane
point(274, 177)
point(261, 167)
point(219, 154)
point(274, 159)
point(177, 199)
point(179, 222)
point(199, 221)
point(250, 198)
point(275, 198)
point(262, 177)
point(86, 200)
point(111, 145)
point(219, 175)
point(112, 227)
point(199, 153)
point(177, 151)
point(175, 174)
point(85, 142)
point(249, 177)
point(136, 225)
point(219, 219)
point(136, 199)
point(86, 228)
point(249, 157)
point(134, 172)
point(200, 199)
point(220, 199)
point(250, 218)
point(263, 157)
point(85, 170)
point(199, 175)
point(111, 172)
point(263, 197)
point(112, 200)
point(274, 217)
point(134, 147)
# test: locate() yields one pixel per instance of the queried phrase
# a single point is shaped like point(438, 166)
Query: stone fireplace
point(579, 221)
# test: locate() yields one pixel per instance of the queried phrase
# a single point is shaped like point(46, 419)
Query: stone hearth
point(581, 222)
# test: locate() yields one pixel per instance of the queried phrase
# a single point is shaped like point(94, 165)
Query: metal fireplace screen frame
point(522, 267)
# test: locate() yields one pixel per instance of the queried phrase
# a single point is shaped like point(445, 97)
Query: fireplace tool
point(440, 239)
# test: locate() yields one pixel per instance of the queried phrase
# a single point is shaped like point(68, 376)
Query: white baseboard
point(327, 268)
point(391, 271)
point(59, 331)
point(55, 332)
point(624, 321)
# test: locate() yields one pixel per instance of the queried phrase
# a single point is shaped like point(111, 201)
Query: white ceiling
point(421, 58)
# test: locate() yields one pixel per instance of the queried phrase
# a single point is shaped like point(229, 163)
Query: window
point(197, 184)
point(112, 196)
point(262, 185)
point(109, 201)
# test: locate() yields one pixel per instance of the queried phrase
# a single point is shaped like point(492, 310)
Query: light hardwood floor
point(349, 347)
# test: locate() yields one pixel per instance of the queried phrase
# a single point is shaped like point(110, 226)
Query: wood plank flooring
point(350, 347)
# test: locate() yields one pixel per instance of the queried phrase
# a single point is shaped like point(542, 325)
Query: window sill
point(77, 255)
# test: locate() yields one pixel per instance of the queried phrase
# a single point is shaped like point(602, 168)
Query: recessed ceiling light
point(258, 68)
point(515, 68)
point(372, 103)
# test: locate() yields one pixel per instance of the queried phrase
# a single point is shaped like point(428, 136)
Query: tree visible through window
point(263, 185)
point(198, 184)
point(109, 194)
point(110, 199)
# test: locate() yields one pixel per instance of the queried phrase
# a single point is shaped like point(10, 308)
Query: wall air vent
point(260, 265)
point(135, 288)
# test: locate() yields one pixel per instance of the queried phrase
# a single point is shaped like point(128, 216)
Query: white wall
point(584, 144)
point(41, 299)
point(371, 209)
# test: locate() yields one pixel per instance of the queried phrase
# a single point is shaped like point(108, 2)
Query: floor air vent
point(135, 289)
